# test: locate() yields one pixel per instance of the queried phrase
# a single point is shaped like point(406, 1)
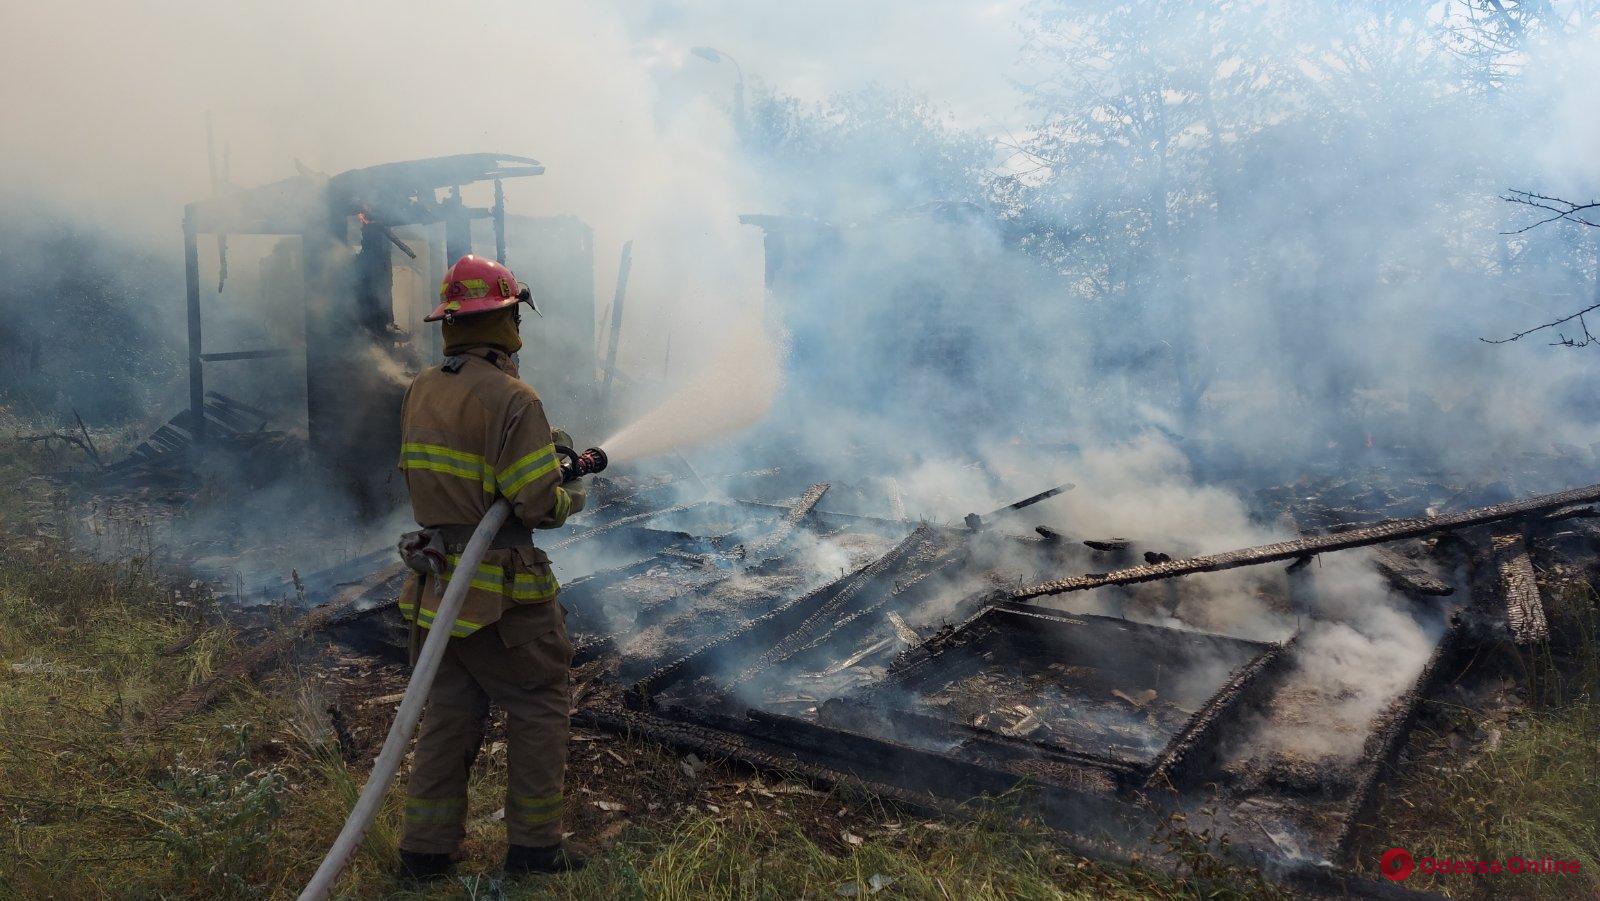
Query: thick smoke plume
point(1143, 246)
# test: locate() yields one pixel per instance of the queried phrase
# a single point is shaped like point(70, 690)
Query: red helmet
point(476, 285)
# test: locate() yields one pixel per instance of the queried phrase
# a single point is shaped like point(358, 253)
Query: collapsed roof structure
point(756, 625)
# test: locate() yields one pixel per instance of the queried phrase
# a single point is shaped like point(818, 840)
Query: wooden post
point(436, 267)
point(191, 276)
point(499, 222)
point(616, 321)
point(457, 228)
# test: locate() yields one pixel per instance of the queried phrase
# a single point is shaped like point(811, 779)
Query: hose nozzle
point(575, 465)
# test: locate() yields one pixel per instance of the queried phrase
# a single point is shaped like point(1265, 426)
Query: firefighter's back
point(452, 424)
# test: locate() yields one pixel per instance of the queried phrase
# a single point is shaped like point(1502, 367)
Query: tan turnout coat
point(468, 438)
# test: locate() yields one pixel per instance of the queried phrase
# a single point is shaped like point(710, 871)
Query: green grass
point(88, 811)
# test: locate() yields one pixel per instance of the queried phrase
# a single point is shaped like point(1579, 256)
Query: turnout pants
point(520, 664)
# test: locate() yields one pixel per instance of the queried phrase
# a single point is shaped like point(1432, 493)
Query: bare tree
point(1556, 209)
point(1492, 38)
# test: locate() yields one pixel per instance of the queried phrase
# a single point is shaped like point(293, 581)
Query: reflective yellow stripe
point(440, 450)
point(446, 467)
point(484, 569)
point(436, 810)
point(526, 469)
point(563, 505)
point(449, 461)
point(488, 577)
point(460, 629)
point(529, 810)
point(534, 587)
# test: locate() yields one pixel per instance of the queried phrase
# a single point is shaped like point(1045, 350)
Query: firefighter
point(474, 432)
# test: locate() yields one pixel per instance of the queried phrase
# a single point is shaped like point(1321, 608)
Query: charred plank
point(1186, 757)
point(1519, 587)
point(801, 509)
point(1383, 746)
point(1377, 533)
point(1407, 576)
point(258, 658)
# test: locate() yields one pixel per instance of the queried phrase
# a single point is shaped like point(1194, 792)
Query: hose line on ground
point(405, 719)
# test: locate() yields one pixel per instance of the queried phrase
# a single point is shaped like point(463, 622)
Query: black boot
point(521, 860)
point(419, 867)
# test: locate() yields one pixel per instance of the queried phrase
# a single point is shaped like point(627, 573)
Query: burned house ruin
point(340, 271)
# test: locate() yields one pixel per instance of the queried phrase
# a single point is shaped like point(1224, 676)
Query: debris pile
point(907, 657)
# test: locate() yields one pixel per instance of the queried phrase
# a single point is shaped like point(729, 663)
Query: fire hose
point(410, 712)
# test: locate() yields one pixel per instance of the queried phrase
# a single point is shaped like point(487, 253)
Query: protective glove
point(423, 551)
point(578, 491)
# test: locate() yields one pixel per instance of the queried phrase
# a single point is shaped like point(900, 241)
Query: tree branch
point(1564, 340)
point(1562, 209)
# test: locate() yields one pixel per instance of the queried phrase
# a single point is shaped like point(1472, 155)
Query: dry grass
point(241, 800)
point(1530, 788)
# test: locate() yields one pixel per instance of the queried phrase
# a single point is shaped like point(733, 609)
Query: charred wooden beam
point(938, 784)
point(761, 631)
point(801, 509)
point(1377, 533)
point(1519, 586)
point(233, 404)
point(625, 521)
point(921, 779)
point(828, 612)
point(976, 522)
point(1407, 576)
point(984, 746)
point(231, 423)
point(258, 658)
point(900, 593)
point(774, 633)
point(1187, 756)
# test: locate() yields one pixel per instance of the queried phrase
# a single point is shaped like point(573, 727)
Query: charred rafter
point(1525, 618)
point(1186, 756)
point(801, 509)
point(1405, 575)
point(1377, 533)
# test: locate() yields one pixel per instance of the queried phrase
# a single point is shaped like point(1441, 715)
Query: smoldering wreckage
point(794, 617)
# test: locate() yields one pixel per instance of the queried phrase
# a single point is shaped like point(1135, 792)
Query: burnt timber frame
point(1194, 739)
point(1305, 548)
point(318, 209)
